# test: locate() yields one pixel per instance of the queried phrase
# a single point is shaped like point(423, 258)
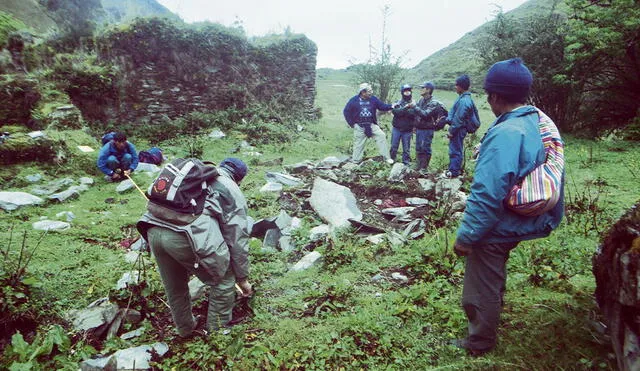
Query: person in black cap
point(219, 237)
point(462, 111)
point(429, 112)
point(403, 116)
point(511, 149)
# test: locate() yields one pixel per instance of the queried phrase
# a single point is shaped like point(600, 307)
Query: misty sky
point(342, 29)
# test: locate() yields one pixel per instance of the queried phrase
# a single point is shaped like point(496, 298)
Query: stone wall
point(165, 70)
point(616, 266)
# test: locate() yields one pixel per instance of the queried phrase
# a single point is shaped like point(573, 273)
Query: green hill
point(445, 65)
point(36, 16)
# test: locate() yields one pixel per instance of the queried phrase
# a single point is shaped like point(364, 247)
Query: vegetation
point(347, 313)
point(334, 315)
point(602, 54)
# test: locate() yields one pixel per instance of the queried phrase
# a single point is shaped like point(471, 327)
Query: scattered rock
point(98, 313)
point(319, 232)
point(271, 187)
point(307, 261)
point(124, 186)
point(334, 203)
point(34, 178)
point(68, 215)
point(398, 172)
point(51, 225)
point(399, 277)
point(13, 200)
point(284, 179)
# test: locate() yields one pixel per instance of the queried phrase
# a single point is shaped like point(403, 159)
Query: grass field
point(335, 316)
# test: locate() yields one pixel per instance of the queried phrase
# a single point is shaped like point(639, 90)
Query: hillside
point(36, 16)
point(443, 66)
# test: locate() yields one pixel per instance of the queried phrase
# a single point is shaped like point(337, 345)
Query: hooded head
point(236, 167)
point(405, 90)
point(510, 79)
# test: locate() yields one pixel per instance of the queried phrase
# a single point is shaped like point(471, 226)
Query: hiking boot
point(464, 344)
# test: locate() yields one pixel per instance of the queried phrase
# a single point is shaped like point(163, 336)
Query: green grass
point(334, 316)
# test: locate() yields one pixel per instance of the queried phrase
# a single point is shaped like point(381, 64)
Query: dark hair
point(119, 137)
point(510, 99)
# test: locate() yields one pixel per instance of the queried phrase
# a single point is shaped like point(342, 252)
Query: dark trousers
point(455, 152)
point(485, 278)
point(396, 137)
point(424, 138)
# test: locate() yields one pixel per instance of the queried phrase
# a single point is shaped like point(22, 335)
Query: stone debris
point(307, 261)
point(12, 200)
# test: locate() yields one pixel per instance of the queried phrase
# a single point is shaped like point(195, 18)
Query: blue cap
point(509, 78)
point(236, 167)
point(405, 87)
point(428, 85)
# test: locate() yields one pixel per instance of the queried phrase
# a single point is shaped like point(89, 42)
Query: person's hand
point(115, 176)
point(245, 286)
point(127, 172)
point(395, 106)
point(462, 249)
point(449, 135)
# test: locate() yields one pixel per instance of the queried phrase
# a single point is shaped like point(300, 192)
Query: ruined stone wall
point(164, 70)
point(616, 267)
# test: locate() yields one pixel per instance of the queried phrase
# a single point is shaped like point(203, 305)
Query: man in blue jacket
point(462, 111)
point(403, 116)
point(360, 113)
point(511, 148)
point(117, 158)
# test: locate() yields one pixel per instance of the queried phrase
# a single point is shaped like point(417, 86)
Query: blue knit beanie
point(463, 81)
point(510, 78)
point(236, 167)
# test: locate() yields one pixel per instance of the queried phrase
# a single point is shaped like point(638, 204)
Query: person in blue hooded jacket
point(360, 113)
point(462, 111)
point(511, 148)
point(117, 158)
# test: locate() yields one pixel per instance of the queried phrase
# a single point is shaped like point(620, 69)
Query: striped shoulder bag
point(539, 191)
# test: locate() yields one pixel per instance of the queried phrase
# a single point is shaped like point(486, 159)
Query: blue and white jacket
point(359, 111)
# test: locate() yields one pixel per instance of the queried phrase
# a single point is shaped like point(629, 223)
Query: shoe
point(464, 344)
point(448, 175)
point(389, 161)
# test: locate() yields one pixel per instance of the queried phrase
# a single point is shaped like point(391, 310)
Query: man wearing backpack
point(462, 116)
point(213, 246)
point(489, 230)
point(117, 158)
point(429, 111)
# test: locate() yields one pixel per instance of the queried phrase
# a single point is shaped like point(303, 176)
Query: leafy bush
point(18, 306)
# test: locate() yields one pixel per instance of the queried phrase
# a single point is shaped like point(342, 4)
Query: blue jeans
point(424, 137)
point(405, 136)
point(124, 163)
point(455, 152)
